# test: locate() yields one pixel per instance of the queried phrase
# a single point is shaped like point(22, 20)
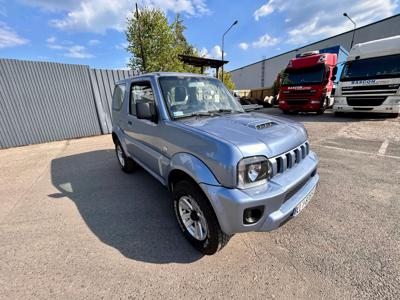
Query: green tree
point(162, 42)
point(227, 80)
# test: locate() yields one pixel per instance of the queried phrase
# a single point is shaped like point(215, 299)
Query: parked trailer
point(261, 96)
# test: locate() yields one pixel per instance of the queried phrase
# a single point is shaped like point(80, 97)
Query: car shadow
point(328, 116)
point(129, 212)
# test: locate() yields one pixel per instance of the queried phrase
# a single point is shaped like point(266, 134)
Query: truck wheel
point(127, 164)
point(286, 112)
point(197, 219)
point(320, 111)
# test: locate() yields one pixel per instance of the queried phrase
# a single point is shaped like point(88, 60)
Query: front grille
point(297, 102)
point(289, 159)
point(365, 101)
point(301, 92)
point(371, 87)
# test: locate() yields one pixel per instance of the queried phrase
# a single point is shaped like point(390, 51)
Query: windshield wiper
point(225, 110)
point(197, 114)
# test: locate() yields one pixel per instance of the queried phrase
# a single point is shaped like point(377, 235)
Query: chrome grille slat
point(289, 159)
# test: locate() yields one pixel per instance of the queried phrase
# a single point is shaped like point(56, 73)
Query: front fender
point(192, 166)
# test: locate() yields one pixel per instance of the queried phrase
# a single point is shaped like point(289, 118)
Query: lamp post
point(354, 30)
point(222, 48)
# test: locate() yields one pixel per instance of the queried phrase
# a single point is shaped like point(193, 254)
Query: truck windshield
point(311, 75)
point(187, 96)
point(377, 67)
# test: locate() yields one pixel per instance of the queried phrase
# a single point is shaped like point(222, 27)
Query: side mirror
point(333, 78)
point(334, 70)
point(146, 110)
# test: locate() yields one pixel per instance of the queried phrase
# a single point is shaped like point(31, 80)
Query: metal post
point(140, 40)
point(354, 29)
point(222, 49)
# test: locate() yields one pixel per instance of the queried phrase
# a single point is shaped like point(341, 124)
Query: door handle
point(129, 122)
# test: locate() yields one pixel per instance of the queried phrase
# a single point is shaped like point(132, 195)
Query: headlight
point(395, 101)
point(253, 171)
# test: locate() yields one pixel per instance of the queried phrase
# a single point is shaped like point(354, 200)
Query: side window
point(118, 96)
point(140, 92)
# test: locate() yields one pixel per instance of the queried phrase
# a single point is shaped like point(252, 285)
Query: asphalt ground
point(72, 225)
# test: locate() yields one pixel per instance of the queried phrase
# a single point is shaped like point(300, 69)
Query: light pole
point(222, 48)
point(354, 30)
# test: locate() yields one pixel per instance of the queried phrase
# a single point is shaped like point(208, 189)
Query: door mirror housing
point(333, 78)
point(147, 111)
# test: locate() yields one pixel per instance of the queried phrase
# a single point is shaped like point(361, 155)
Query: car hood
point(253, 133)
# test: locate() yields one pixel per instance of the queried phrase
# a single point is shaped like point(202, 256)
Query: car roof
point(163, 74)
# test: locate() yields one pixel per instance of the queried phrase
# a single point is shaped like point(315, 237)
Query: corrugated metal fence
point(45, 101)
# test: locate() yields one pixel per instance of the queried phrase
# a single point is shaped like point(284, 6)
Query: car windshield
point(312, 75)
point(377, 67)
point(197, 96)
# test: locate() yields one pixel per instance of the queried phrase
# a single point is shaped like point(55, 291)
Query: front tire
point(197, 219)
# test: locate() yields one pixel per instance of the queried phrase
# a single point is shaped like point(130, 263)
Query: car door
point(141, 134)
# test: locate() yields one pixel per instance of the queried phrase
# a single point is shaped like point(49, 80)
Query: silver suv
point(228, 171)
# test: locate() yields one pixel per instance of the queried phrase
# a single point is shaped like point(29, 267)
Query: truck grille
point(289, 159)
point(370, 89)
point(366, 101)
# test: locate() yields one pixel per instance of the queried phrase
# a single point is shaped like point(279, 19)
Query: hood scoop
point(262, 125)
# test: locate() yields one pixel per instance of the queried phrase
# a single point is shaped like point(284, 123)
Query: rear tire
point(286, 112)
point(197, 219)
point(127, 164)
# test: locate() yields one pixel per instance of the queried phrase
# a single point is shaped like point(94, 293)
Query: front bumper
point(388, 106)
point(229, 204)
point(312, 106)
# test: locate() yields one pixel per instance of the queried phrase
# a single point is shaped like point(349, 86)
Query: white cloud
point(308, 21)
point(265, 41)
point(51, 39)
point(122, 46)
point(68, 49)
point(101, 15)
point(93, 42)
point(244, 46)
point(215, 52)
point(3, 11)
point(203, 52)
point(9, 38)
point(51, 5)
point(264, 10)
point(77, 51)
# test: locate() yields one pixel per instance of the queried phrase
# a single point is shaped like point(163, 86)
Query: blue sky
point(91, 31)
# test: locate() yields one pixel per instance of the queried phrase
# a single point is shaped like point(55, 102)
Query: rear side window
point(118, 97)
point(140, 92)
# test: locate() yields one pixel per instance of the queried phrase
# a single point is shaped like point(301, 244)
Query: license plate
point(303, 203)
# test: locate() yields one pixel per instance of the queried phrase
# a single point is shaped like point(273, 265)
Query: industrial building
point(263, 73)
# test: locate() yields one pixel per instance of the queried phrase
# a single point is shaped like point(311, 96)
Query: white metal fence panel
point(44, 101)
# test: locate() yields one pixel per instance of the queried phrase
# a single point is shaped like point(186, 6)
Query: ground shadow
point(328, 116)
point(130, 212)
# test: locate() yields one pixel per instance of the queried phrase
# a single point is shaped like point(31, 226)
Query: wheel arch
point(188, 166)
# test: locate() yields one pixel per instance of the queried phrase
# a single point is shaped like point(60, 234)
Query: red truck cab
point(307, 83)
